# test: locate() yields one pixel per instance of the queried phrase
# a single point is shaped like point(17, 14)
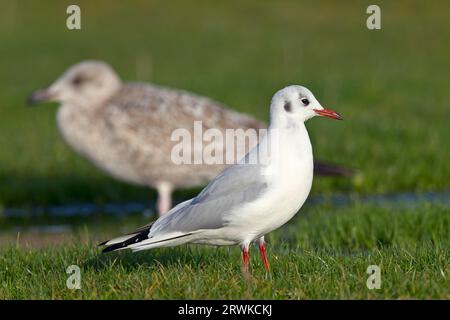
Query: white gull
point(246, 201)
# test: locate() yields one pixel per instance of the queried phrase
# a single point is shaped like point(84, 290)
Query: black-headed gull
point(125, 128)
point(250, 199)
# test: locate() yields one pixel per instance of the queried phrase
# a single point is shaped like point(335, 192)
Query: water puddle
point(80, 210)
point(57, 225)
point(405, 199)
point(122, 209)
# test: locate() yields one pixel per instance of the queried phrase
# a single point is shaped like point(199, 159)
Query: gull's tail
point(140, 240)
point(328, 169)
point(123, 242)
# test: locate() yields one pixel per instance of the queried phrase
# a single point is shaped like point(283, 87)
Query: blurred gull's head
point(85, 83)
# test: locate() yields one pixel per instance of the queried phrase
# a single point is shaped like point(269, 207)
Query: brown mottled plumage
point(142, 117)
point(125, 128)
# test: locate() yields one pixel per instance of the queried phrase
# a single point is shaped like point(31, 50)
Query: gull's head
point(84, 83)
point(296, 104)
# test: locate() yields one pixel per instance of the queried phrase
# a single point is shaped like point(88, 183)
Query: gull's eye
point(77, 80)
point(304, 101)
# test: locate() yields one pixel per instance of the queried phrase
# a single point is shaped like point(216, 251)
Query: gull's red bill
point(328, 113)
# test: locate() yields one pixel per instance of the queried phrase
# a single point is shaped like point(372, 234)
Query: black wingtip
point(102, 243)
point(328, 169)
point(114, 247)
point(143, 235)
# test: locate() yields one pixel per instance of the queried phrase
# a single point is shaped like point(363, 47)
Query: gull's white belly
point(272, 210)
point(290, 179)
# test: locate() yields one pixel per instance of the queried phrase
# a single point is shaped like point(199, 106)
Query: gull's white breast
point(289, 178)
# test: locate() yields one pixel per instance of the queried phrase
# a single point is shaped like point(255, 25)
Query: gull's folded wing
point(234, 187)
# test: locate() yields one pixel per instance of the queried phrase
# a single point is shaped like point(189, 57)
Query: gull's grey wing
point(235, 186)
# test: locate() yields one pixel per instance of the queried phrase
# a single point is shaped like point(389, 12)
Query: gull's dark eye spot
point(288, 107)
point(77, 80)
point(304, 101)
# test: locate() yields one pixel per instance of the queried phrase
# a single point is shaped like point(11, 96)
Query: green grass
point(391, 85)
point(321, 254)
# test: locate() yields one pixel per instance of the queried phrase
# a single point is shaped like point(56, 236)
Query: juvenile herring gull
point(125, 128)
point(246, 201)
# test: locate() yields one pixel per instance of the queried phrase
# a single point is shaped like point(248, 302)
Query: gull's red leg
point(262, 249)
point(245, 257)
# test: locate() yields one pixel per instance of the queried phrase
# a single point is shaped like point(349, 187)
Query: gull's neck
point(286, 146)
point(291, 139)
